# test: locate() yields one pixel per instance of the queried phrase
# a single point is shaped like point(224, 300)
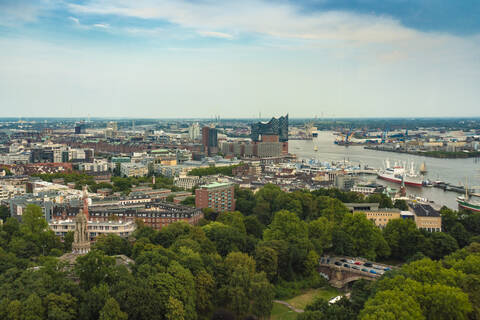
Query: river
point(455, 171)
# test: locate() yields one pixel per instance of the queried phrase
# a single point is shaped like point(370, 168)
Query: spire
point(81, 238)
point(85, 202)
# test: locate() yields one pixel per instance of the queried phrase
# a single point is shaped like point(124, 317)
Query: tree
point(111, 311)
point(253, 226)
point(4, 213)
point(235, 292)
point(244, 200)
point(233, 219)
point(383, 200)
point(332, 209)
point(449, 218)
point(403, 238)
point(32, 308)
point(33, 220)
point(14, 311)
point(441, 302)
point(204, 289)
point(112, 244)
point(94, 268)
point(61, 307)
point(188, 201)
point(391, 305)
point(286, 226)
point(226, 238)
point(459, 233)
point(175, 310)
point(401, 204)
point(267, 261)
point(311, 263)
point(442, 245)
point(320, 232)
point(68, 240)
point(94, 302)
point(366, 238)
point(262, 294)
point(361, 292)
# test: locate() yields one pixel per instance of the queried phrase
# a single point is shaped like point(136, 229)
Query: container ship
point(399, 173)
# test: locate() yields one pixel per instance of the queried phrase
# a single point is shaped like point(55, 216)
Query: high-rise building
point(210, 140)
point(273, 131)
point(217, 196)
point(194, 131)
point(80, 128)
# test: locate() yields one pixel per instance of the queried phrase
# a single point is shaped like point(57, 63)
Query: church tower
point(81, 240)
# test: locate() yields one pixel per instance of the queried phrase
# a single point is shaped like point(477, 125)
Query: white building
point(133, 170)
point(95, 228)
point(194, 131)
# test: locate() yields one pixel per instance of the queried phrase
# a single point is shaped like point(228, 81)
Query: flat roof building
point(217, 196)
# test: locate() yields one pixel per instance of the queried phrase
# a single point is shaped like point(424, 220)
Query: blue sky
point(174, 58)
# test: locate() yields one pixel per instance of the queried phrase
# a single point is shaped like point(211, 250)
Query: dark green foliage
point(4, 212)
point(401, 204)
point(188, 201)
point(239, 261)
point(227, 171)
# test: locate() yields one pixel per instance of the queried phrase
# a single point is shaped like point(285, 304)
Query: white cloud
point(102, 25)
point(256, 16)
point(75, 20)
point(214, 34)
point(17, 12)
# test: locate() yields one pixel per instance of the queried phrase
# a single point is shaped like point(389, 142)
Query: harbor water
point(453, 171)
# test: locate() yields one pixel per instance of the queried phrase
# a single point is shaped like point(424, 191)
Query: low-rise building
point(133, 169)
point(95, 228)
point(381, 216)
point(426, 217)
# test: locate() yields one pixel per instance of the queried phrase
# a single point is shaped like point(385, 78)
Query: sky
point(202, 58)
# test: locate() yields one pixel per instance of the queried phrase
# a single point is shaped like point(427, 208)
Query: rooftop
point(424, 210)
point(216, 185)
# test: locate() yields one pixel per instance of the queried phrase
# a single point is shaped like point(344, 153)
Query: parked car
point(387, 269)
point(373, 271)
point(356, 267)
point(338, 263)
point(346, 265)
point(343, 260)
point(358, 263)
point(368, 264)
point(364, 270)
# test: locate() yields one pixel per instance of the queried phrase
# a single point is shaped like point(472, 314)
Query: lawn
point(280, 312)
point(309, 295)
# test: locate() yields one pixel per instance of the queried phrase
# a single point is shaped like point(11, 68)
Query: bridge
point(340, 273)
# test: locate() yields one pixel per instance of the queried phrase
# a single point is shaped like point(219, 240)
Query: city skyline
point(194, 59)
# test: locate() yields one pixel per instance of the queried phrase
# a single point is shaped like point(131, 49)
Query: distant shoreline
point(432, 154)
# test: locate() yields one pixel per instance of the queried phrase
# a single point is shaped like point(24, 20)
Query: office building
point(210, 140)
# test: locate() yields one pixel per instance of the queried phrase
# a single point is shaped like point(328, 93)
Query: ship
point(399, 173)
point(467, 202)
point(423, 168)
